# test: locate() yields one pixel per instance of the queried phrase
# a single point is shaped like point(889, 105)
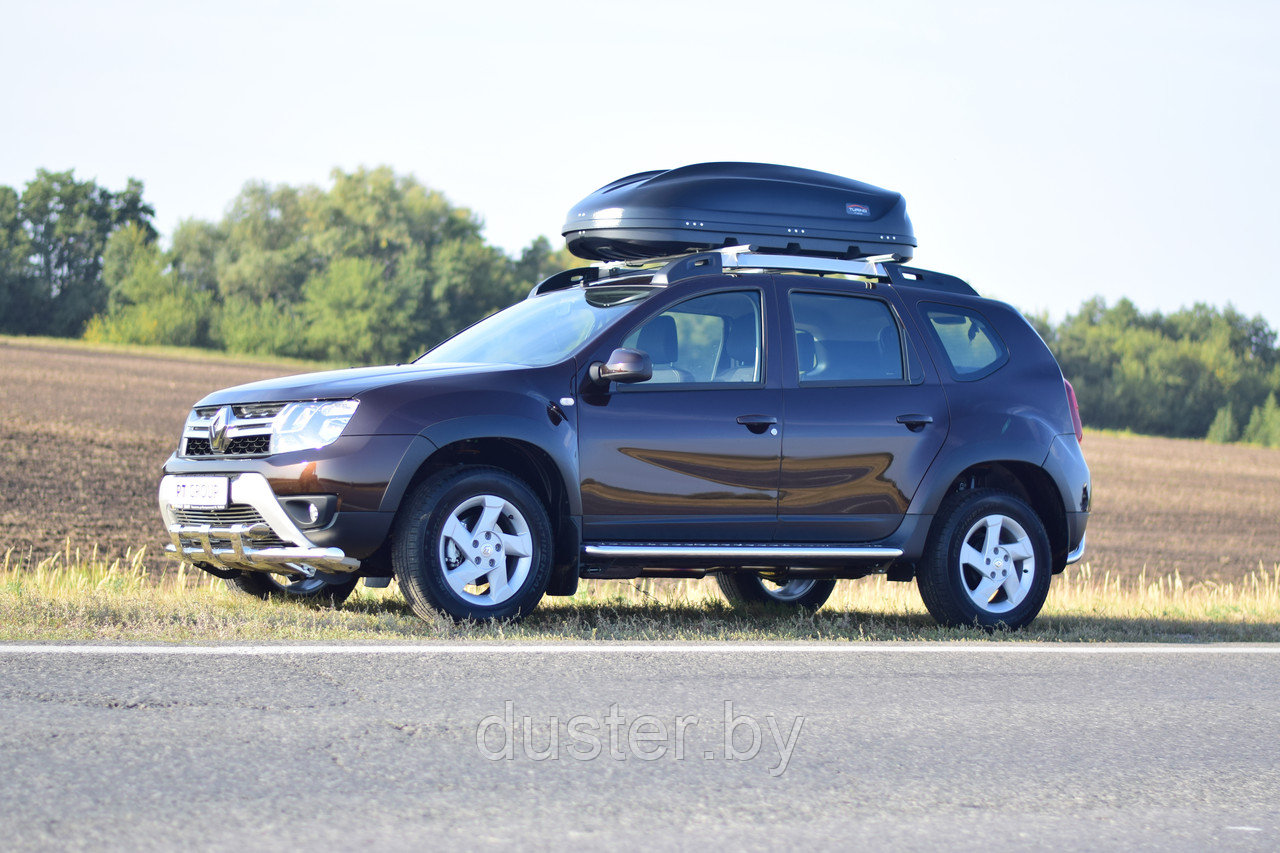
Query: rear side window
point(845, 339)
point(971, 345)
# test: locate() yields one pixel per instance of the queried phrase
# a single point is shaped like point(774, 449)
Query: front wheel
point(318, 590)
point(748, 589)
point(473, 543)
point(987, 562)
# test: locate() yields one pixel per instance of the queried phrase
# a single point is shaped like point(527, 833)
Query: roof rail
point(742, 257)
point(668, 270)
point(902, 276)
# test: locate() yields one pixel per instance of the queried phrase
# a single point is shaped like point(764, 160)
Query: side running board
point(739, 552)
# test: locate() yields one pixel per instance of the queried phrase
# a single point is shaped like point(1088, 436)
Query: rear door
point(865, 414)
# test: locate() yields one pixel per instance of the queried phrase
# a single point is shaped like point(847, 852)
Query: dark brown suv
point(778, 421)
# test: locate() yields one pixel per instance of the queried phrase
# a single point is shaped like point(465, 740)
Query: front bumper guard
point(242, 546)
point(243, 555)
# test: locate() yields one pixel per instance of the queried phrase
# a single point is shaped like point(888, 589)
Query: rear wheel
point(987, 563)
point(320, 591)
point(473, 543)
point(748, 589)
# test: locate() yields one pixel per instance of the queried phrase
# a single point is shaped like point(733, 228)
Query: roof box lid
point(778, 209)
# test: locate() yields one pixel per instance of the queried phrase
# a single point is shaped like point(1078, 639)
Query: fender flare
point(557, 442)
point(934, 489)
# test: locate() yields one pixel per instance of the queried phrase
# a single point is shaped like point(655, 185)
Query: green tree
point(17, 285)
point(468, 280)
point(243, 325)
point(284, 261)
point(1224, 428)
point(193, 254)
point(374, 213)
point(354, 312)
point(266, 253)
point(1264, 424)
point(68, 223)
point(146, 304)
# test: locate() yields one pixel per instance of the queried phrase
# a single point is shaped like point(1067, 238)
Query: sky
point(1048, 152)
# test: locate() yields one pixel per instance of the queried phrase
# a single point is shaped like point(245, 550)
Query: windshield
point(538, 331)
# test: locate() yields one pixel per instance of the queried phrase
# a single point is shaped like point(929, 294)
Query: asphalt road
point(890, 747)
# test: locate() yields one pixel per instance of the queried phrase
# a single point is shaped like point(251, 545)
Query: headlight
point(307, 426)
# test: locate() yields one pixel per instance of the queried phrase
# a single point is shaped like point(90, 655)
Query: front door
point(692, 454)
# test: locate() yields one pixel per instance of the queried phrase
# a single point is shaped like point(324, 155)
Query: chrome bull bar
point(295, 561)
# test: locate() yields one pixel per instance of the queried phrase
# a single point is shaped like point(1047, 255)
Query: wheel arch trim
point(519, 431)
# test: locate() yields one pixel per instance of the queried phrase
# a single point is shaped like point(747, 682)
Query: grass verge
point(75, 597)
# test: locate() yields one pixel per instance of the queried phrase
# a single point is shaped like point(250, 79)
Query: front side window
point(845, 339)
point(705, 340)
point(971, 345)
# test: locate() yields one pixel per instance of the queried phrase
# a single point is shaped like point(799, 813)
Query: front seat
point(658, 338)
point(741, 348)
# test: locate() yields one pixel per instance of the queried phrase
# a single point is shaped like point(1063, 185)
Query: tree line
point(376, 268)
point(1201, 372)
point(379, 268)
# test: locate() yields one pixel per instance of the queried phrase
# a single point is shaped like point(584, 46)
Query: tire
point(967, 577)
point(747, 590)
point(319, 591)
point(472, 543)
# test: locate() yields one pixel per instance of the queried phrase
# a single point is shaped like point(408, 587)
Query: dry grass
point(71, 596)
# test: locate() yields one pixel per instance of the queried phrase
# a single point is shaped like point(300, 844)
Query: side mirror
point(624, 365)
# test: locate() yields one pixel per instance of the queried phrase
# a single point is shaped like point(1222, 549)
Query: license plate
point(200, 492)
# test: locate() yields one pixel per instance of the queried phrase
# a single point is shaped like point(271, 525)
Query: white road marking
point(649, 649)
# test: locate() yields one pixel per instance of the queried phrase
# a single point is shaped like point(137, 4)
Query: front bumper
point(253, 534)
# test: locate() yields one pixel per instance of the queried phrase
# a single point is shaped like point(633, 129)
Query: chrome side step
point(739, 552)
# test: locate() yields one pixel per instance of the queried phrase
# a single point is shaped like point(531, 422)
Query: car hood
point(339, 384)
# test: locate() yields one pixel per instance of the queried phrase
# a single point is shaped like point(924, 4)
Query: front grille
point(236, 514)
point(246, 445)
point(248, 428)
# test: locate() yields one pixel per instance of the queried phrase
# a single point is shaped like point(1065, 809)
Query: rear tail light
point(1075, 411)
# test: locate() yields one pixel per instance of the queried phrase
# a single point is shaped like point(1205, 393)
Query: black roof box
point(709, 205)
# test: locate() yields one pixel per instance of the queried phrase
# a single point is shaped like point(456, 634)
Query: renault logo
point(218, 430)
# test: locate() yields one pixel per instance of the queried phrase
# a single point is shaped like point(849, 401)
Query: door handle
point(915, 423)
point(757, 423)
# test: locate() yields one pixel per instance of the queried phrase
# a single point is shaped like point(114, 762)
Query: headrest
point(658, 339)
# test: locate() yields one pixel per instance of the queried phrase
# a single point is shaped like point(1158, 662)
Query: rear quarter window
point(968, 340)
